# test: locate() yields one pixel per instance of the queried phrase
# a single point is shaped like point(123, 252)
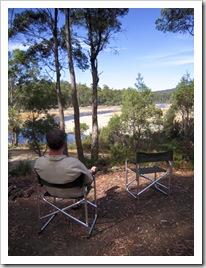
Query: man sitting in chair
point(57, 168)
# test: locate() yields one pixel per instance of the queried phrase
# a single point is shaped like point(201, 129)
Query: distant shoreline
point(85, 109)
point(103, 119)
point(104, 115)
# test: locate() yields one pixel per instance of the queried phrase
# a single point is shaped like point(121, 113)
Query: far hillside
point(164, 91)
point(163, 96)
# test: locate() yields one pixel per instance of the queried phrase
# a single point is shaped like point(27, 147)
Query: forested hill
point(163, 96)
point(164, 91)
point(108, 96)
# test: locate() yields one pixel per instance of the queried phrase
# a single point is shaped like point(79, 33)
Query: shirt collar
point(55, 157)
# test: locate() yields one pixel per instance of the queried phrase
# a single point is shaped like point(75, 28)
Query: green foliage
point(107, 96)
point(83, 127)
point(171, 126)
point(36, 96)
point(118, 154)
point(100, 25)
point(137, 126)
point(35, 130)
point(71, 146)
point(86, 143)
point(183, 96)
point(183, 104)
point(22, 168)
point(115, 135)
point(163, 96)
point(22, 68)
point(176, 20)
point(179, 122)
point(28, 93)
point(139, 112)
point(14, 124)
point(84, 94)
point(142, 127)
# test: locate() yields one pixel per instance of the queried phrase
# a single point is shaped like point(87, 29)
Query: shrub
point(83, 127)
point(35, 130)
point(22, 168)
point(86, 143)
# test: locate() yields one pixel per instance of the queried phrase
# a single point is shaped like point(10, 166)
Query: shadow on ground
point(156, 225)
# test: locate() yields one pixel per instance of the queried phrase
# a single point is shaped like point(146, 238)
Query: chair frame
point(54, 202)
point(142, 159)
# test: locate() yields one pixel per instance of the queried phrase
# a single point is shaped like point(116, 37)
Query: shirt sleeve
point(88, 178)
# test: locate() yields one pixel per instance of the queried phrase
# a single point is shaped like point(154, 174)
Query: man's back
point(60, 169)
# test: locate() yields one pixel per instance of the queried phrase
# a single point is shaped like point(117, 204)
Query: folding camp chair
point(66, 206)
point(164, 171)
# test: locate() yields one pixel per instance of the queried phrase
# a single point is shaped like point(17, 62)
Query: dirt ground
point(156, 225)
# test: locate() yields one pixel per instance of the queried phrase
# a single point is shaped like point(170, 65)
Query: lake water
point(22, 140)
point(162, 105)
point(70, 137)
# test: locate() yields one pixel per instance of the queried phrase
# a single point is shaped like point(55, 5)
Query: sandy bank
point(86, 109)
point(103, 120)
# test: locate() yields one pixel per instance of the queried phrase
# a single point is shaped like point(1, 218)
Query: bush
point(71, 146)
point(86, 143)
point(22, 168)
point(35, 130)
point(83, 127)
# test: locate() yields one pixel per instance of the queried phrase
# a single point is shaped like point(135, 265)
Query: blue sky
point(161, 58)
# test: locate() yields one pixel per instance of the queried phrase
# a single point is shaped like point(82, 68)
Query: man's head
point(56, 138)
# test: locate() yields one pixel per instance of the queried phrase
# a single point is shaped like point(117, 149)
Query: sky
point(161, 58)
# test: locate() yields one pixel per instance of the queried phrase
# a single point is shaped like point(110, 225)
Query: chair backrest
point(79, 182)
point(154, 157)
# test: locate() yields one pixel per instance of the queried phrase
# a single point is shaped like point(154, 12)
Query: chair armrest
point(129, 160)
point(129, 163)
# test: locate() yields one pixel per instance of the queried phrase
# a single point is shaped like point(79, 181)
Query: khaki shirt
point(61, 169)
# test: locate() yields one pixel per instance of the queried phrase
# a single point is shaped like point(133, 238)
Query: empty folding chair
point(60, 204)
point(156, 168)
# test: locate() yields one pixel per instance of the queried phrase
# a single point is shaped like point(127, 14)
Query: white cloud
point(17, 46)
point(172, 59)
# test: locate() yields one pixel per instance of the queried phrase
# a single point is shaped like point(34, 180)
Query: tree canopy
point(176, 20)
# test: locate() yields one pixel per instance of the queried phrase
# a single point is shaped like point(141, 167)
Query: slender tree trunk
point(15, 137)
point(58, 75)
point(73, 87)
point(95, 138)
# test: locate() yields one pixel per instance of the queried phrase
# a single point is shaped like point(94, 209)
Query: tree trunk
point(73, 87)
point(58, 75)
point(95, 138)
point(15, 137)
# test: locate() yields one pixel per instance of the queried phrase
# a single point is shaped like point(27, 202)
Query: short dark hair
point(56, 138)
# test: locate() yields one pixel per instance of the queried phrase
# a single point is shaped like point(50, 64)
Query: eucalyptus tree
point(139, 123)
point(139, 111)
point(101, 25)
point(27, 93)
point(68, 40)
point(40, 31)
point(179, 120)
point(183, 103)
point(21, 69)
point(176, 20)
point(84, 94)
